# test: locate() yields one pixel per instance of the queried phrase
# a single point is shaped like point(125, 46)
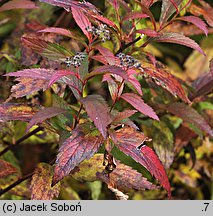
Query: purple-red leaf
point(155, 167)
point(64, 32)
point(168, 8)
point(138, 103)
point(67, 4)
point(104, 20)
point(108, 69)
point(27, 86)
point(37, 73)
point(148, 3)
point(114, 89)
point(41, 183)
point(83, 144)
point(6, 169)
point(123, 115)
point(82, 21)
point(30, 81)
point(108, 55)
point(148, 32)
point(165, 79)
point(59, 74)
point(133, 81)
point(179, 39)
point(12, 112)
point(148, 12)
point(17, 4)
point(130, 141)
point(203, 85)
point(55, 30)
point(196, 21)
point(135, 15)
point(206, 10)
point(47, 49)
point(44, 114)
point(189, 115)
point(122, 177)
point(98, 111)
point(183, 136)
point(100, 58)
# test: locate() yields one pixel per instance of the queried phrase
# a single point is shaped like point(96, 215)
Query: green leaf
point(163, 143)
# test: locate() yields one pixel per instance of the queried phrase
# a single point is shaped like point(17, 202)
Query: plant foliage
point(106, 89)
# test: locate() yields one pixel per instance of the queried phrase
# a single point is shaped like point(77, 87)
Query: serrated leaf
point(37, 73)
point(67, 4)
point(135, 15)
point(163, 78)
point(113, 87)
point(183, 135)
point(56, 30)
point(108, 55)
point(133, 80)
point(138, 103)
point(13, 111)
point(82, 21)
point(64, 32)
point(59, 74)
point(148, 3)
point(6, 169)
point(98, 111)
point(123, 115)
point(108, 69)
point(47, 49)
point(190, 115)
point(179, 39)
point(203, 85)
point(40, 186)
point(100, 58)
point(130, 142)
point(163, 143)
point(27, 86)
point(196, 21)
point(206, 11)
point(122, 177)
point(17, 4)
point(103, 20)
point(82, 144)
point(32, 80)
point(148, 32)
point(168, 8)
point(148, 12)
point(44, 114)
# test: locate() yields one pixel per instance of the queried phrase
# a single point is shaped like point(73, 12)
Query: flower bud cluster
point(128, 61)
point(76, 60)
point(101, 31)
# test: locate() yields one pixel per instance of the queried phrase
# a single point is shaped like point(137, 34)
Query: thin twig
point(19, 181)
point(10, 147)
point(125, 46)
point(78, 116)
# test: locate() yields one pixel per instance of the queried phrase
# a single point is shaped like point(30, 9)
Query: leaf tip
point(55, 180)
